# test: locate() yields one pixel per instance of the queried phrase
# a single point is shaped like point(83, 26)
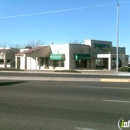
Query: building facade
point(92, 54)
point(7, 57)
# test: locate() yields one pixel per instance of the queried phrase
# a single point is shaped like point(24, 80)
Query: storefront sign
point(104, 47)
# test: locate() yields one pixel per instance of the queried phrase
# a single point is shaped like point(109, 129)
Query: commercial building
point(7, 57)
point(92, 54)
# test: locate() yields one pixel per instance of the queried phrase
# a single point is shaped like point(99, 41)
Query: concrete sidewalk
point(65, 79)
point(95, 72)
point(85, 72)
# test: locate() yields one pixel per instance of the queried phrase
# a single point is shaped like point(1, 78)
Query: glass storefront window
point(57, 63)
point(100, 63)
point(1, 61)
point(81, 63)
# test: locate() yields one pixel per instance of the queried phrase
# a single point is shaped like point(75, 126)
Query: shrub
point(70, 71)
point(124, 69)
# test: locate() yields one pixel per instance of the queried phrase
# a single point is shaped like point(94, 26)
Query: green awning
point(57, 57)
point(81, 56)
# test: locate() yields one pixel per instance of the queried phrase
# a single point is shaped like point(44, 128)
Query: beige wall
point(77, 49)
point(44, 52)
point(33, 58)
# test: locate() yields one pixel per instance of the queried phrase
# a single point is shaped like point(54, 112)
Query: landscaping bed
point(124, 69)
point(69, 71)
point(10, 69)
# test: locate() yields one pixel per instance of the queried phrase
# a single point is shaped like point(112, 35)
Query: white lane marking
point(119, 101)
point(78, 128)
point(114, 80)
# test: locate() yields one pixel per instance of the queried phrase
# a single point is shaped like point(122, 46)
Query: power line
point(125, 2)
point(56, 11)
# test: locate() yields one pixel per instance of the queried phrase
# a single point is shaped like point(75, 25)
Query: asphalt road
point(62, 75)
point(43, 105)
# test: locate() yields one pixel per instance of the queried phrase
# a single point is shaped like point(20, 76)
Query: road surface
point(55, 105)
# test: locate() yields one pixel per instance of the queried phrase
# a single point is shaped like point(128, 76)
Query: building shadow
point(11, 83)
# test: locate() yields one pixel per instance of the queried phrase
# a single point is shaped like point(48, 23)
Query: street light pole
point(117, 37)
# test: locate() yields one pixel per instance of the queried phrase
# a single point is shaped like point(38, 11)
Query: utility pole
point(117, 37)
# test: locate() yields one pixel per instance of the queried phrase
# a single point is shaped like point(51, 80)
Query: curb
point(50, 79)
point(52, 72)
point(64, 79)
point(82, 72)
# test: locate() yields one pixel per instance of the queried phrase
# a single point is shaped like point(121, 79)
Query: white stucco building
point(7, 57)
point(92, 54)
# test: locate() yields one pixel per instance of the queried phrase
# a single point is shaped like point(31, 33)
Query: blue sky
point(98, 21)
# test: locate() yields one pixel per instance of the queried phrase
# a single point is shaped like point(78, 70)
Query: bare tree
point(33, 44)
point(75, 42)
point(4, 52)
point(123, 57)
point(8, 54)
point(17, 46)
point(129, 60)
